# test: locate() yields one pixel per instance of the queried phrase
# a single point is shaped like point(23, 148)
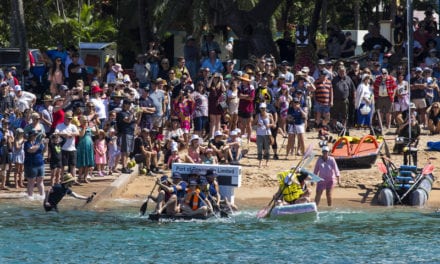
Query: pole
point(410, 37)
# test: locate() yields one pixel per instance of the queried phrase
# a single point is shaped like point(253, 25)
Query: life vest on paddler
point(193, 200)
point(290, 192)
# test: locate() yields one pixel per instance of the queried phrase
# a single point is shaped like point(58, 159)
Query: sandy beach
point(357, 187)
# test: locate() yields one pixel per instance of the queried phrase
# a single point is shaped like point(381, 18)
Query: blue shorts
point(200, 123)
point(33, 172)
point(320, 108)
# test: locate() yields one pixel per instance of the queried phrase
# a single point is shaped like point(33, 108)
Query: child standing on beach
point(100, 152)
point(55, 158)
point(18, 157)
point(114, 151)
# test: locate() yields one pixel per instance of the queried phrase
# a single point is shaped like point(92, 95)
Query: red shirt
point(58, 118)
point(246, 105)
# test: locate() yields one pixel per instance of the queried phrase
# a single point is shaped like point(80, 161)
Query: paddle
point(144, 206)
point(268, 209)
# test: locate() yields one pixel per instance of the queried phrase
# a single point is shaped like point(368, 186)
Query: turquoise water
point(28, 235)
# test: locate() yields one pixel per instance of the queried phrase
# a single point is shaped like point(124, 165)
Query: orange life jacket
point(193, 199)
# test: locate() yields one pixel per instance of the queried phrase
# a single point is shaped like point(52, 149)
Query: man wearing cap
point(288, 75)
point(326, 168)
point(219, 146)
point(7, 101)
point(323, 99)
point(57, 192)
point(418, 87)
point(175, 191)
point(343, 90)
point(68, 132)
point(195, 202)
point(384, 90)
point(46, 114)
point(24, 100)
point(126, 122)
point(320, 65)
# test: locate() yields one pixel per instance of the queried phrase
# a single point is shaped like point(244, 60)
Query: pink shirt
point(327, 170)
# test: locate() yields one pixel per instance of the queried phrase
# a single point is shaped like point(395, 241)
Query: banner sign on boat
point(228, 175)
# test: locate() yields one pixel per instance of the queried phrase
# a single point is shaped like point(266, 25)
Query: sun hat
point(295, 99)
point(218, 133)
point(321, 62)
point(325, 149)
point(194, 137)
point(63, 87)
point(282, 76)
point(305, 69)
point(117, 67)
point(245, 77)
point(58, 98)
point(262, 105)
point(68, 115)
point(233, 133)
point(418, 69)
point(67, 178)
point(17, 88)
point(4, 84)
point(47, 98)
point(365, 75)
point(96, 89)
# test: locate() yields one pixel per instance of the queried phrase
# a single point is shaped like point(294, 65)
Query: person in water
point(58, 191)
point(293, 188)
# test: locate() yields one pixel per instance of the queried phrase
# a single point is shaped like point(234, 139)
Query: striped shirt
point(322, 92)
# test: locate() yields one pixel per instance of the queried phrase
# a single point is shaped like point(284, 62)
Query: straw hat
point(68, 178)
point(245, 77)
point(47, 98)
point(117, 67)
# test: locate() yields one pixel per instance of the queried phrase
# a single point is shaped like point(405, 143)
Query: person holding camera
point(126, 122)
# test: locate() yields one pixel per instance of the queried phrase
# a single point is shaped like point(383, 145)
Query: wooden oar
point(144, 206)
point(268, 209)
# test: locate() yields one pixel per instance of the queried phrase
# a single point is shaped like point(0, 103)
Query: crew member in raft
point(293, 188)
point(174, 191)
point(195, 202)
point(58, 191)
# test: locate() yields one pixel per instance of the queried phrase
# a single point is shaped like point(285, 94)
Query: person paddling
point(58, 191)
point(195, 201)
point(293, 188)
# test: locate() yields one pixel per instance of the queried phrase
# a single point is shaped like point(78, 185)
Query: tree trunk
point(18, 13)
point(324, 16)
point(315, 21)
point(142, 22)
point(357, 7)
point(285, 15)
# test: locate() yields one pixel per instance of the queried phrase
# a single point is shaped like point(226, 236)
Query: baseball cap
point(17, 88)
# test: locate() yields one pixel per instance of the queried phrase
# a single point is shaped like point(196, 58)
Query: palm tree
point(85, 26)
